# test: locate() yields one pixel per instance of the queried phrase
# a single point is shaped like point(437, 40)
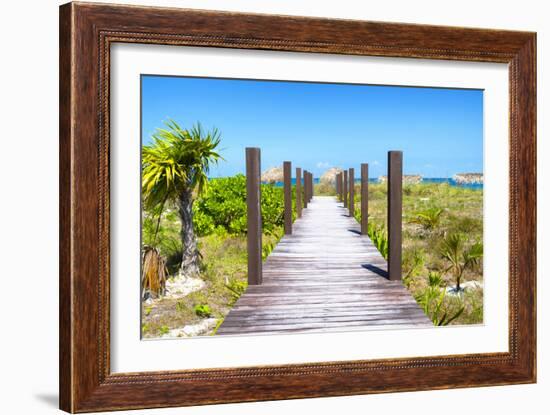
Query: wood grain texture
point(395, 213)
point(364, 198)
point(253, 215)
point(346, 190)
point(306, 185)
point(325, 276)
point(351, 203)
point(86, 33)
point(298, 190)
point(66, 398)
point(287, 189)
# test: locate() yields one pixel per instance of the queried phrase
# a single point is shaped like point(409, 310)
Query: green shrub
point(428, 218)
point(460, 256)
point(203, 223)
point(435, 279)
point(272, 208)
point(203, 310)
point(224, 206)
point(433, 302)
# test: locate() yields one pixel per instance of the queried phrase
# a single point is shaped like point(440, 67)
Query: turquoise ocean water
point(450, 181)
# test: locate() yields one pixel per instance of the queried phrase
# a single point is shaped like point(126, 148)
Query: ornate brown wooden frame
point(86, 33)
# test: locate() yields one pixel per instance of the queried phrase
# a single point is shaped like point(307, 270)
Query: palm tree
point(459, 256)
point(175, 165)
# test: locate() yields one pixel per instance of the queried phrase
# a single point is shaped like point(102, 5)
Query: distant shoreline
point(425, 180)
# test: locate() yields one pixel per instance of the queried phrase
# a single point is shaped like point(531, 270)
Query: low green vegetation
point(442, 247)
point(223, 207)
point(203, 310)
point(378, 236)
point(432, 300)
point(219, 220)
point(429, 219)
point(442, 234)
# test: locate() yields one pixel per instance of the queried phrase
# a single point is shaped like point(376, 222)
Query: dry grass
point(154, 272)
point(462, 212)
point(224, 271)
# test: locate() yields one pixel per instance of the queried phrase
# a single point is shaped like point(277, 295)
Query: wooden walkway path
point(325, 276)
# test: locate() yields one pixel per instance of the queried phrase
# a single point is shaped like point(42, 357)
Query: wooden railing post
point(337, 184)
point(311, 187)
point(287, 177)
point(351, 203)
point(340, 185)
point(364, 198)
point(345, 190)
point(395, 200)
point(298, 192)
point(305, 189)
point(308, 193)
point(308, 187)
point(254, 216)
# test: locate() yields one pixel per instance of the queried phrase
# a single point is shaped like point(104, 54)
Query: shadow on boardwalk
point(325, 276)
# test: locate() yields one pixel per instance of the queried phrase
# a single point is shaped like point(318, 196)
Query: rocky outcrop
point(272, 175)
point(407, 179)
point(468, 178)
point(329, 177)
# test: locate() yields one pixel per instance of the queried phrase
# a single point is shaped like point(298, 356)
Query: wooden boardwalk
point(325, 276)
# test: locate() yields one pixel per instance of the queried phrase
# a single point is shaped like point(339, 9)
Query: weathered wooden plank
point(333, 307)
point(325, 276)
point(274, 312)
point(381, 301)
point(304, 311)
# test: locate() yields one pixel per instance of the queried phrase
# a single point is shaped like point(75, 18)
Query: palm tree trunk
point(190, 256)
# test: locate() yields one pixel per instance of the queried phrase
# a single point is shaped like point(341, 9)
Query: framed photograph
point(258, 207)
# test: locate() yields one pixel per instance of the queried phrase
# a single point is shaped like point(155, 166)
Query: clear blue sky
point(317, 126)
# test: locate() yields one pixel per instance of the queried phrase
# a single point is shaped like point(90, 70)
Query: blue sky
point(317, 126)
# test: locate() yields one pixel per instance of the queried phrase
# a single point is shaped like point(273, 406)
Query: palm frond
point(177, 160)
